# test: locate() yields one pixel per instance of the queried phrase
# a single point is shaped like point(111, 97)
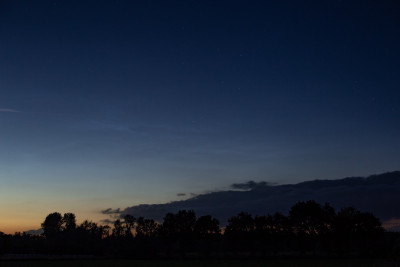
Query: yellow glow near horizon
point(20, 218)
point(11, 225)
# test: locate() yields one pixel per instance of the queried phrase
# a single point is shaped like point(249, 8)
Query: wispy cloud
point(8, 110)
point(250, 185)
point(111, 211)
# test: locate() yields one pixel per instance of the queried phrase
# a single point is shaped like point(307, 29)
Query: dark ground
point(149, 263)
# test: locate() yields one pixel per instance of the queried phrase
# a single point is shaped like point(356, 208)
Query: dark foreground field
point(150, 263)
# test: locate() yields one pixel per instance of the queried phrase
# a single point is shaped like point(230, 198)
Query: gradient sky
point(116, 103)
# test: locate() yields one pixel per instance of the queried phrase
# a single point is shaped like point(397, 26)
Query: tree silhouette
point(310, 218)
point(356, 231)
point(240, 232)
point(271, 233)
point(206, 225)
point(177, 230)
point(146, 227)
point(311, 222)
point(181, 223)
point(92, 229)
point(52, 225)
point(129, 223)
point(207, 234)
point(118, 230)
point(69, 222)
point(146, 238)
point(309, 227)
point(243, 222)
point(280, 232)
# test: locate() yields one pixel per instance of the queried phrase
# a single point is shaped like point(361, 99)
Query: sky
point(109, 104)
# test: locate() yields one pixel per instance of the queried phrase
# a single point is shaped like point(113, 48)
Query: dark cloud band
point(376, 194)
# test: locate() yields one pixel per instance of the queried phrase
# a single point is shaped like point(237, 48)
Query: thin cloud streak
point(9, 110)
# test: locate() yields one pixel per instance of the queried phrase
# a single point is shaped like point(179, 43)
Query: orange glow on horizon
point(12, 222)
point(11, 227)
point(392, 223)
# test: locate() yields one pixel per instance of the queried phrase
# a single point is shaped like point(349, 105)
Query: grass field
point(150, 263)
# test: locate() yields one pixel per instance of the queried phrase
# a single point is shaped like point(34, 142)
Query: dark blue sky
point(127, 102)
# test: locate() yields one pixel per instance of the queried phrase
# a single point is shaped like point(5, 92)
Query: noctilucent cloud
point(116, 103)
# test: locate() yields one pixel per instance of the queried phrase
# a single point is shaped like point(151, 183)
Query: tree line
point(309, 230)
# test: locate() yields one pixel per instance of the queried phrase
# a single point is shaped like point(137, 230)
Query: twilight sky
point(116, 103)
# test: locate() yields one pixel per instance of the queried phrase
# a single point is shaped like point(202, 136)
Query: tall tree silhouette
point(280, 232)
point(356, 231)
point(129, 223)
point(146, 227)
point(177, 230)
point(147, 237)
point(240, 232)
point(52, 225)
point(206, 225)
point(69, 222)
point(311, 222)
point(181, 223)
point(118, 230)
point(243, 222)
point(207, 234)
